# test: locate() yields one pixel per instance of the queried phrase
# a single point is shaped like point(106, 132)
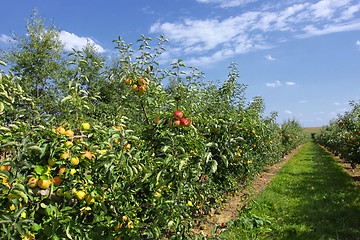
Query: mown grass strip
point(312, 197)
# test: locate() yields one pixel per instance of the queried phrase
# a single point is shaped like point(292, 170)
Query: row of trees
point(342, 135)
point(93, 147)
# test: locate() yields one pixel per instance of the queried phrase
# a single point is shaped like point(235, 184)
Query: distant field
point(312, 129)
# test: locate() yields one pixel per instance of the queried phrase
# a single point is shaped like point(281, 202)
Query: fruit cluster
point(178, 120)
point(55, 172)
point(139, 87)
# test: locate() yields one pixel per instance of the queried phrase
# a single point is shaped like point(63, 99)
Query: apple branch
point(145, 113)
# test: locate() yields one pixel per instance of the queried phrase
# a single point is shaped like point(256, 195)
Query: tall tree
point(87, 70)
point(37, 58)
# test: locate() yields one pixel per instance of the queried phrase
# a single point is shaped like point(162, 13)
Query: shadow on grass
point(324, 200)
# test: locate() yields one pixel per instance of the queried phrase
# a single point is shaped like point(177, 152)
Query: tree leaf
point(66, 98)
point(213, 167)
point(35, 148)
point(211, 144)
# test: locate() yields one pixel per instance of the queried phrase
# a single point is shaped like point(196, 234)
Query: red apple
point(177, 122)
point(184, 122)
point(157, 120)
point(178, 115)
point(135, 88)
point(142, 82)
point(142, 89)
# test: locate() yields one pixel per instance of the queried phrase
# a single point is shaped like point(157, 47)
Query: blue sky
point(301, 57)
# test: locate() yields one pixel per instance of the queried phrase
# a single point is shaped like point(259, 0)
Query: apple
point(60, 192)
point(56, 180)
point(61, 130)
point(5, 168)
point(157, 120)
point(87, 155)
point(85, 126)
point(184, 122)
point(177, 122)
point(65, 155)
point(128, 81)
point(74, 161)
point(62, 171)
point(68, 194)
point(80, 195)
point(142, 82)
point(69, 133)
point(44, 184)
point(178, 115)
point(135, 88)
point(142, 89)
point(32, 182)
point(127, 146)
point(73, 171)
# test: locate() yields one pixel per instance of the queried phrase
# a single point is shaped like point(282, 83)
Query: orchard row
point(342, 136)
point(141, 165)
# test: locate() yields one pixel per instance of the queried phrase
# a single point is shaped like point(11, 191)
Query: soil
point(230, 209)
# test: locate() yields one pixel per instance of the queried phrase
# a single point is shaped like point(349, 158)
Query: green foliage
point(37, 59)
point(292, 135)
point(136, 178)
point(300, 200)
point(249, 225)
point(342, 136)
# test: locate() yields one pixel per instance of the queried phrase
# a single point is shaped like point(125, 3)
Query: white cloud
point(349, 12)
point(71, 41)
point(4, 38)
point(288, 112)
point(311, 30)
point(278, 84)
point(270, 58)
point(327, 8)
point(214, 39)
point(228, 3)
point(147, 10)
point(337, 103)
point(203, 35)
point(303, 101)
point(275, 84)
point(357, 43)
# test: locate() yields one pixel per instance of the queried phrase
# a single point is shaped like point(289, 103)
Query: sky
point(301, 57)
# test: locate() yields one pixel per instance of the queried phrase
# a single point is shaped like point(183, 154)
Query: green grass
point(312, 197)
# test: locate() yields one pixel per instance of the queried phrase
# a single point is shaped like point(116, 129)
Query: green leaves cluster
point(342, 135)
point(140, 179)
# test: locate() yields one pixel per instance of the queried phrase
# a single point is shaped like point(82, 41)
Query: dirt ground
point(230, 210)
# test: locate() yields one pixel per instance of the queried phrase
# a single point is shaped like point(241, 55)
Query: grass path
point(312, 197)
